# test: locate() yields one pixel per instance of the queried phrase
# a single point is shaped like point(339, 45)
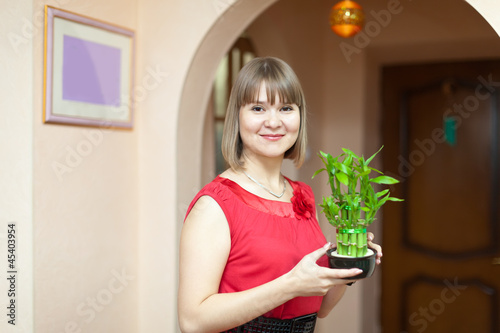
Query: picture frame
point(88, 71)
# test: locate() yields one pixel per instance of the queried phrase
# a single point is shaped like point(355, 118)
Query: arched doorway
point(198, 83)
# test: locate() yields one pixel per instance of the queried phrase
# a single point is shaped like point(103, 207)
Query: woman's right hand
point(310, 279)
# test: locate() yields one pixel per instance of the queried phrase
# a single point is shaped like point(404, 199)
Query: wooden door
point(441, 269)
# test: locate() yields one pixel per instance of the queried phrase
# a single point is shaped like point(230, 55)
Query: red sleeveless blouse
point(268, 238)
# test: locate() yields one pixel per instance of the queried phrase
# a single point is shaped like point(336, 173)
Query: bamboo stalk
point(352, 245)
point(362, 244)
point(339, 243)
point(345, 244)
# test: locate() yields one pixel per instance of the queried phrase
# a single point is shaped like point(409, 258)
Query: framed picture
point(88, 71)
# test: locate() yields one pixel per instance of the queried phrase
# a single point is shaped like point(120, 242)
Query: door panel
point(433, 307)
point(441, 140)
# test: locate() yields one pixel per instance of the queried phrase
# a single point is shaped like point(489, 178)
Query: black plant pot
point(366, 264)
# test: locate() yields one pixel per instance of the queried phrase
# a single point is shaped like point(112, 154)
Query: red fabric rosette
point(303, 206)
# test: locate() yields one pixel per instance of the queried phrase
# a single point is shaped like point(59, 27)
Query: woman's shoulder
point(205, 206)
point(218, 188)
point(214, 193)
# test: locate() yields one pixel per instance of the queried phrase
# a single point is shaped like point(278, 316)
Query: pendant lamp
point(346, 18)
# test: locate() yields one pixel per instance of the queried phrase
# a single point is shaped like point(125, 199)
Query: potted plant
point(352, 207)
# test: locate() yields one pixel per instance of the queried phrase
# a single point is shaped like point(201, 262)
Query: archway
point(197, 87)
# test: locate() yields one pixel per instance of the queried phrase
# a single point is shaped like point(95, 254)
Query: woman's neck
point(268, 172)
point(262, 179)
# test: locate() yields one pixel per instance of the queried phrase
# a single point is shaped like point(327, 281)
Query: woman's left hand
point(376, 247)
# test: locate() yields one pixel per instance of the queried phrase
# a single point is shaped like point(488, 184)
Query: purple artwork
point(91, 72)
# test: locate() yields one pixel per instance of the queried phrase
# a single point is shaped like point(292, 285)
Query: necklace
point(265, 188)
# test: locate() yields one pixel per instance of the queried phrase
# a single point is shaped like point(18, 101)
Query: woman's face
point(268, 130)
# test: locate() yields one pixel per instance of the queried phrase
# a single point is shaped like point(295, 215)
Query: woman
point(252, 252)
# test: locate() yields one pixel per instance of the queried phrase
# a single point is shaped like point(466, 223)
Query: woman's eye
point(287, 108)
point(258, 108)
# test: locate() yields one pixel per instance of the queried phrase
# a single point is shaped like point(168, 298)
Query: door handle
point(495, 261)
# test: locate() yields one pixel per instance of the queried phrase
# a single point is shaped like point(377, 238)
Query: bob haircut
point(281, 81)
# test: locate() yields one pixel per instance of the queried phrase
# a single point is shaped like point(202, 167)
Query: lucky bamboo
point(354, 202)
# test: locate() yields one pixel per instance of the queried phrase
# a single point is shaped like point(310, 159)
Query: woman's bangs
point(250, 94)
point(286, 92)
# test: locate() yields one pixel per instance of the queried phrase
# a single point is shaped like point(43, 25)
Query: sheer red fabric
point(268, 238)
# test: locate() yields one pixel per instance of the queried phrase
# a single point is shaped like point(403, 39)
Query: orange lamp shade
point(347, 18)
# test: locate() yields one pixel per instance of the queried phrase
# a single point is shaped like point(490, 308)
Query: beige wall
point(110, 226)
point(16, 159)
point(171, 32)
point(86, 219)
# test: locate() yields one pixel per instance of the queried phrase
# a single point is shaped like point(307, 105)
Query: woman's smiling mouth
point(272, 137)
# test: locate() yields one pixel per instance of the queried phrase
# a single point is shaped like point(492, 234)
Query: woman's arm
point(204, 249)
point(331, 299)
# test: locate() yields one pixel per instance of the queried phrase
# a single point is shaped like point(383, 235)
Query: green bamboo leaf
point(394, 199)
point(377, 171)
point(345, 169)
point(384, 180)
point(329, 164)
point(342, 177)
point(363, 174)
point(349, 152)
point(381, 193)
point(382, 200)
point(318, 172)
point(334, 209)
point(371, 158)
point(347, 160)
point(324, 155)
point(370, 204)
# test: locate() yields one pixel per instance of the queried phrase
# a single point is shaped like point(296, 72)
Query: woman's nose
point(273, 119)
